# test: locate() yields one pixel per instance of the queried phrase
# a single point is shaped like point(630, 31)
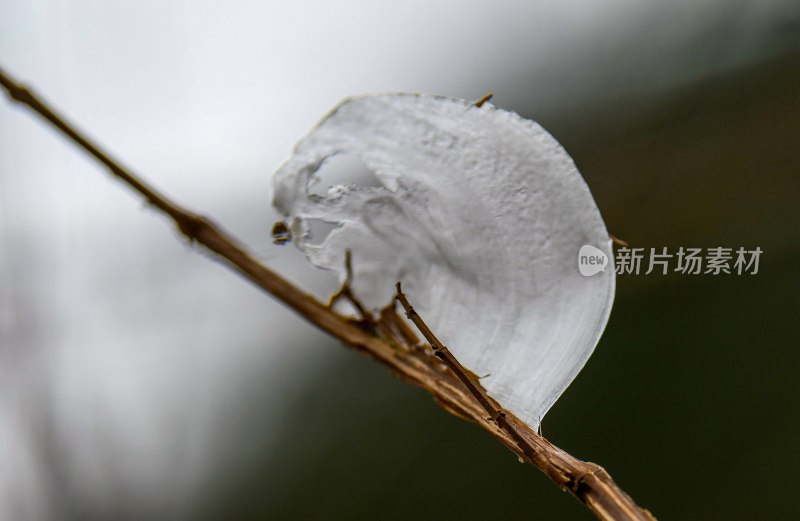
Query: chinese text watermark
point(686, 261)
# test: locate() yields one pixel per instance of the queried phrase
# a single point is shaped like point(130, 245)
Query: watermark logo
point(685, 261)
point(591, 260)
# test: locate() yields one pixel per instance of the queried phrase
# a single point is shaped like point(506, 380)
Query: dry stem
point(455, 390)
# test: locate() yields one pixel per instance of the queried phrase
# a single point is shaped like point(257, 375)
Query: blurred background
point(140, 380)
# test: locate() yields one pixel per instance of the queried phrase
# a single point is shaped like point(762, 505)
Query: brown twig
point(392, 320)
point(587, 481)
point(466, 376)
point(617, 241)
point(486, 97)
point(346, 291)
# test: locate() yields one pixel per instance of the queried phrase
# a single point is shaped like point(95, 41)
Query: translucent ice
point(481, 214)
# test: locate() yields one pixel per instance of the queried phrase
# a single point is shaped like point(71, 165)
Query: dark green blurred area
point(690, 400)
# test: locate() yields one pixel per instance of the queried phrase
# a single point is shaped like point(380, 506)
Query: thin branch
point(346, 291)
point(486, 97)
point(466, 376)
point(454, 389)
point(617, 241)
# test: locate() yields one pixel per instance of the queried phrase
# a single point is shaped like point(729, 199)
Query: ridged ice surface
point(481, 215)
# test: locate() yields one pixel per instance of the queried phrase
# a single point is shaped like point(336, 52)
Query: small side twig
point(466, 376)
point(617, 241)
point(392, 320)
point(486, 97)
point(589, 482)
point(346, 291)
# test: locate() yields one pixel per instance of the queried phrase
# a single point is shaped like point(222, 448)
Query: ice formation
point(481, 214)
